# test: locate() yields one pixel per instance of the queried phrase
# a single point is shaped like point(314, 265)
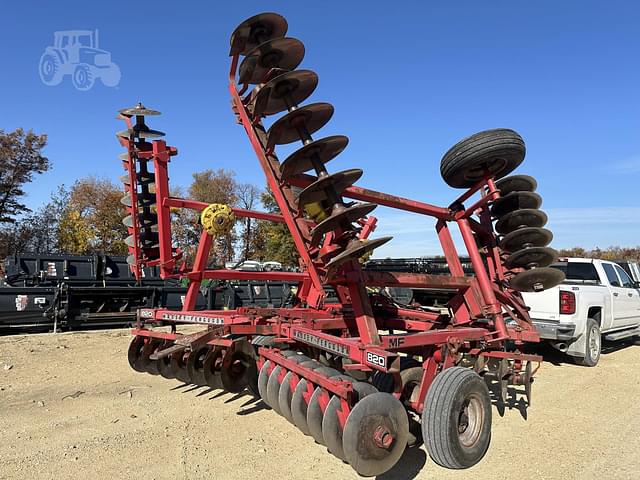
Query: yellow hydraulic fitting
point(217, 219)
point(315, 211)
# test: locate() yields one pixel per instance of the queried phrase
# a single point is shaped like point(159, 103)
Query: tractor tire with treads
point(498, 151)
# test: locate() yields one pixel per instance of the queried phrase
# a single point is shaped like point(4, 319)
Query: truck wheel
point(593, 344)
point(456, 420)
point(497, 152)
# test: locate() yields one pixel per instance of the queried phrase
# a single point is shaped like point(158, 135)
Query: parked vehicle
point(632, 268)
point(597, 300)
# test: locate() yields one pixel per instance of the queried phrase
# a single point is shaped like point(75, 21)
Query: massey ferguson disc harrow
point(351, 374)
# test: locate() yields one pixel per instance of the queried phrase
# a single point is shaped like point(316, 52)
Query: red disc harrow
point(355, 373)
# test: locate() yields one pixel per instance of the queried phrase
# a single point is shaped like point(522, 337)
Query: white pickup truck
point(597, 299)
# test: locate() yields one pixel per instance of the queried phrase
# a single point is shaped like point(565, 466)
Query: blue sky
point(408, 80)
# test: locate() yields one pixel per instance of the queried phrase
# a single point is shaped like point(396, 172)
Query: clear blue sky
point(408, 79)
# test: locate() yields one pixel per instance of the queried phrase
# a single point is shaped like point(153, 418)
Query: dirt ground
point(70, 407)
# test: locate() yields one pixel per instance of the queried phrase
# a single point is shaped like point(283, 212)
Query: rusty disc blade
point(331, 430)
point(195, 365)
point(211, 367)
point(532, 257)
point(537, 279)
point(362, 451)
point(256, 30)
point(321, 151)
point(317, 191)
point(284, 91)
point(342, 218)
point(139, 109)
point(310, 118)
point(516, 183)
point(527, 217)
point(134, 353)
point(356, 250)
point(526, 237)
point(281, 53)
point(515, 201)
point(179, 366)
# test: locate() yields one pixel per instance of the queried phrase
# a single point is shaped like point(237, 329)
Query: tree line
point(86, 217)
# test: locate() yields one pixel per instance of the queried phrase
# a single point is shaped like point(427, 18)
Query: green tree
point(279, 245)
point(20, 159)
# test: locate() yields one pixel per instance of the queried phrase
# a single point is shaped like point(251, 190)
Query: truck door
point(619, 303)
point(631, 297)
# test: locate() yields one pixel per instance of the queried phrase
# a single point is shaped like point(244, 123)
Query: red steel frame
point(474, 326)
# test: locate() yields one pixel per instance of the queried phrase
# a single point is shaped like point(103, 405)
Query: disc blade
point(211, 368)
point(516, 183)
point(195, 365)
point(343, 218)
point(298, 402)
point(234, 369)
point(130, 241)
point(312, 117)
point(273, 387)
point(136, 131)
point(331, 430)
point(322, 151)
point(532, 257)
point(356, 250)
point(285, 394)
point(139, 109)
point(515, 201)
point(179, 366)
point(339, 181)
point(290, 88)
point(519, 219)
point(281, 53)
point(263, 378)
point(537, 280)
point(526, 237)
point(375, 412)
point(256, 30)
point(314, 409)
point(131, 260)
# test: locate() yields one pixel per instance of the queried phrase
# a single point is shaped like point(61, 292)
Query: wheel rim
point(594, 343)
point(470, 421)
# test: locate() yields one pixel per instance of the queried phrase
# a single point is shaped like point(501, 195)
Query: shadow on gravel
point(515, 399)
point(412, 461)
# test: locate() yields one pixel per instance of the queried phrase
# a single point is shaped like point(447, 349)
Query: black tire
point(499, 151)
point(592, 345)
point(457, 395)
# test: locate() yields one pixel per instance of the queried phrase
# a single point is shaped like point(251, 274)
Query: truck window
point(611, 274)
point(626, 281)
point(578, 272)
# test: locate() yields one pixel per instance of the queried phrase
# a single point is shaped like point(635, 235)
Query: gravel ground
point(71, 406)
